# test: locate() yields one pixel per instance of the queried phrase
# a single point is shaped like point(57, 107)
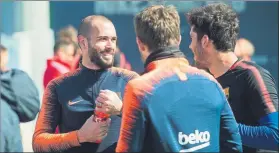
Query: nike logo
point(196, 148)
point(72, 103)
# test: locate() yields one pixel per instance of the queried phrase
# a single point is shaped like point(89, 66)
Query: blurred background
point(29, 30)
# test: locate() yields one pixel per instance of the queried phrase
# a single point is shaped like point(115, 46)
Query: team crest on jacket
point(227, 92)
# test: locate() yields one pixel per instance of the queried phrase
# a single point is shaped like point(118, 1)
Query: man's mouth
point(107, 55)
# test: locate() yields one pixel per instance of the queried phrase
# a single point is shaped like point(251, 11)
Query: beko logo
point(200, 138)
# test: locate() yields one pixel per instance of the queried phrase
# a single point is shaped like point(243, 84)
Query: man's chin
point(105, 64)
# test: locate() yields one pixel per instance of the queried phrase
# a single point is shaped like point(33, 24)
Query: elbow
point(35, 143)
point(38, 143)
point(29, 115)
point(28, 118)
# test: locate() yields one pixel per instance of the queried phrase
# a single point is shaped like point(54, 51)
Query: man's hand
point(110, 102)
point(93, 131)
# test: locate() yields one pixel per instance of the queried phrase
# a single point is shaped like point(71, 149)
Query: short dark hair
point(219, 21)
point(60, 44)
point(158, 26)
point(86, 26)
point(2, 48)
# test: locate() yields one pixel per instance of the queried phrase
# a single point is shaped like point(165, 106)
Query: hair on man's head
point(219, 22)
point(158, 26)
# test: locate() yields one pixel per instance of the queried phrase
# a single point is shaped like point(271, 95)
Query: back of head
point(67, 47)
point(2, 48)
point(219, 22)
point(158, 26)
point(244, 48)
point(68, 33)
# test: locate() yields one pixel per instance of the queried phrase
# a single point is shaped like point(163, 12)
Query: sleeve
point(132, 131)
point(261, 93)
point(10, 139)
point(264, 136)
point(230, 140)
point(262, 98)
point(26, 95)
point(44, 139)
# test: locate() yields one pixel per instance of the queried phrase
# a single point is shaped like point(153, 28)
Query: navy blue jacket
point(164, 114)
point(69, 101)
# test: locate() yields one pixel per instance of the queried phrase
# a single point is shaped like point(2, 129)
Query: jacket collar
point(169, 52)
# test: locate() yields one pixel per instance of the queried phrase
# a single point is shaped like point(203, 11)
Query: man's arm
point(263, 101)
point(132, 130)
point(26, 96)
point(44, 139)
point(10, 138)
point(230, 140)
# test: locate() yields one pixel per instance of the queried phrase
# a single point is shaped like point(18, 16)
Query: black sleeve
point(26, 96)
point(261, 92)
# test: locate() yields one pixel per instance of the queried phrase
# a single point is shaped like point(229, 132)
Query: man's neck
point(222, 63)
point(90, 65)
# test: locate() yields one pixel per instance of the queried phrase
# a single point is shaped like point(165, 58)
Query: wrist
point(81, 138)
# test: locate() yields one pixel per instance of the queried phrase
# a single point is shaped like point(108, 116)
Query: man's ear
point(179, 40)
point(205, 41)
point(141, 46)
point(82, 41)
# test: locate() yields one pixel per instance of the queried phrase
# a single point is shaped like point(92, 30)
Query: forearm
point(132, 129)
point(46, 142)
point(44, 139)
point(261, 137)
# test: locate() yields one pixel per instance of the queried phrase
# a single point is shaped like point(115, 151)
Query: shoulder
point(157, 78)
point(254, 72)
point(18, 72)
point(20, 76)
point(65, 78)
point(127, 75)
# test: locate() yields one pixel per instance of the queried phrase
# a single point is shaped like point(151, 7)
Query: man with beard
point(250, 89)
point(173, 107)
point(69, 101)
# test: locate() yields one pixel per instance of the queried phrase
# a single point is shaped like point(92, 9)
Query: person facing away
point(69, 34)
point(244, 49)
point(173, 107)
point(61, 62)
point(249, 88)
point(19, 103)
point(70, 100)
